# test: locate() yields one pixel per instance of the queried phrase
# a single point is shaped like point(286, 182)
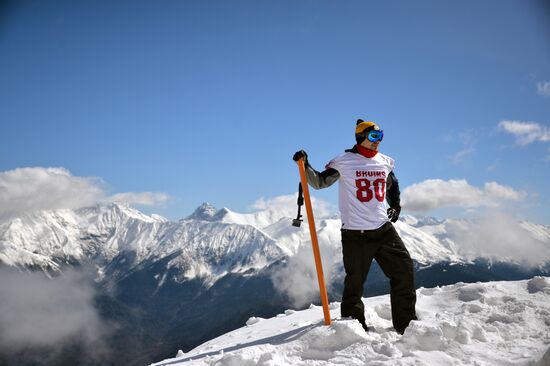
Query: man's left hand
point(393, 213)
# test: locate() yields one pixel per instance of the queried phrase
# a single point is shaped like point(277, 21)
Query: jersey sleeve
point(389, 162)
point(334, 164)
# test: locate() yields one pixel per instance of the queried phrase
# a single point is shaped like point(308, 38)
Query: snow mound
point(471, 292)
point(494, 323)
point(253, 320)
point(538, 283)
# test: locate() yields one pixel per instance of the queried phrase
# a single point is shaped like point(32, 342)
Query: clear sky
point(208, 100)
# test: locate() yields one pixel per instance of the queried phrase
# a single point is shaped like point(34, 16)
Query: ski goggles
point(375, 135)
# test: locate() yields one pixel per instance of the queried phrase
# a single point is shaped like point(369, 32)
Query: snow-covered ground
point(494, 323)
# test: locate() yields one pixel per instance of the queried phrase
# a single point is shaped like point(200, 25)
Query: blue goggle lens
point(375, 135)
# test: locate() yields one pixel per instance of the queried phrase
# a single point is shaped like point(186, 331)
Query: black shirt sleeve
point(392, 191)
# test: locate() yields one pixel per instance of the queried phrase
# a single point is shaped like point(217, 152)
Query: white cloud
point(459, 156)
point(496, 192)
point(25, 190)
point(437, 193)
point(297, 279)
point(287, 204)
point(468, 141)
point(143, 198)
point(39, 311)
point(498, 235)
point(543, 88)
point(526, 132)
point(29, 189)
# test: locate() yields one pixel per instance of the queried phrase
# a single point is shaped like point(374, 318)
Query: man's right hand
point(300, 155)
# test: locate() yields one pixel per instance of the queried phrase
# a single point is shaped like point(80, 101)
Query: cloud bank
point(432, 194)
point(43, 312)
point(298, 278)
point(500, 236)
point(25, 190)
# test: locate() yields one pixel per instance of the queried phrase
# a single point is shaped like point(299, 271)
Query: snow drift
point(494, 323)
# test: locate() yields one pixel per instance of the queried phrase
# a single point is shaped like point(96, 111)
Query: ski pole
point(314, 242)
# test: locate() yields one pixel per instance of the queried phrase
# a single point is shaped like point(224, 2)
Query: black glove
point(393, 213)
point(299, 155)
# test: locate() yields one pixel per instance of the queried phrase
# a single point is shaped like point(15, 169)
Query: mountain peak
point(418, 221)
point(205, 212)
point(126, 210)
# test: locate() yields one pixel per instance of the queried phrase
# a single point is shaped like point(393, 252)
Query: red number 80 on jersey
point(365, 193)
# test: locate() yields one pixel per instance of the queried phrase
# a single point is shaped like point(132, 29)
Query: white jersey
point(362, 189)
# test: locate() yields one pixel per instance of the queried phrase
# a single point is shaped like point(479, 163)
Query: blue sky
point(208, 100)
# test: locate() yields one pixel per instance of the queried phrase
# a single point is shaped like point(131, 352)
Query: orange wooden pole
point(314, 242)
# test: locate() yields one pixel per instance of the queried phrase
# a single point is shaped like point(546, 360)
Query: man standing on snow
point(367, 181)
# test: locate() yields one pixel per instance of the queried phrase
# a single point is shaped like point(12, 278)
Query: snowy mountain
point(116, 235)
point(211, 243)
point(494, 323)
point(167, 284)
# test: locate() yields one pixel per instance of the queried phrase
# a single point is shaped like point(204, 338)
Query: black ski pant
point(359, 248)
